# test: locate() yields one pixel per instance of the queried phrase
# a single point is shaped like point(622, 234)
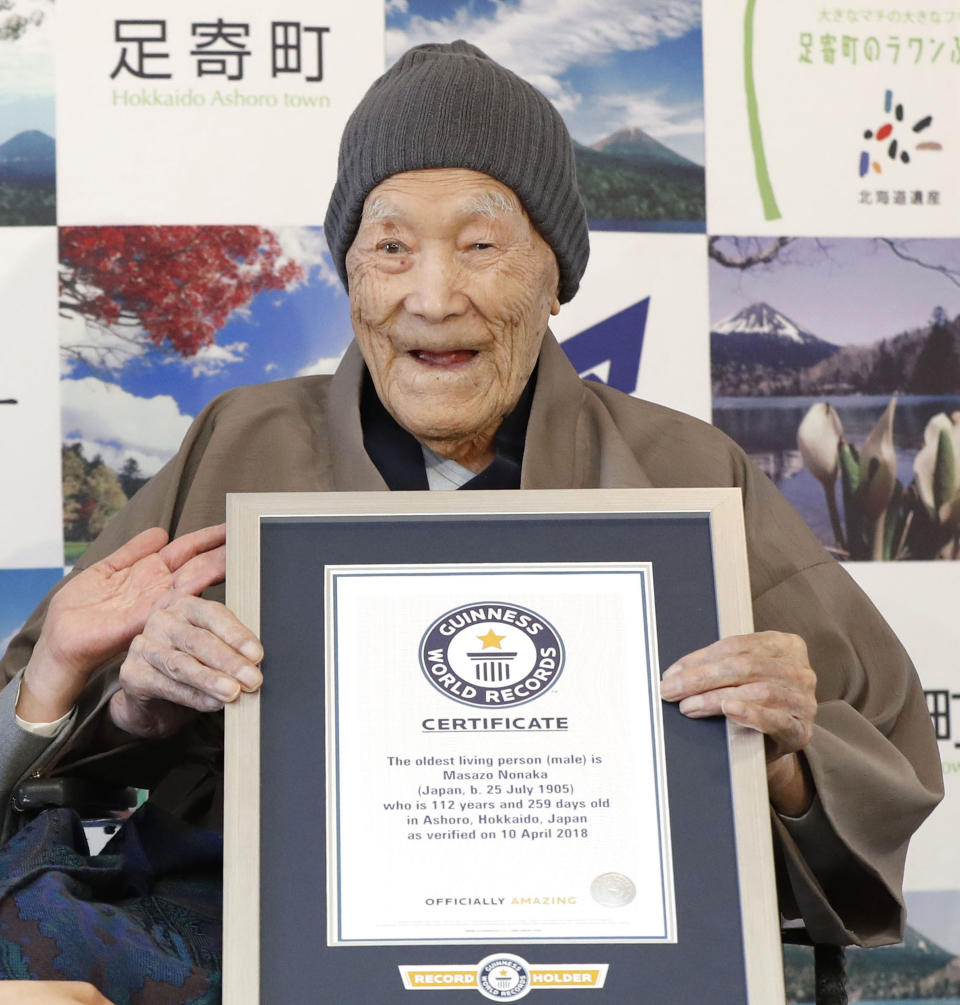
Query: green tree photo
point(92, 494)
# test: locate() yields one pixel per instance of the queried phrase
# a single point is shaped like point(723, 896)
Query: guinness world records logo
point(491, 654)
point(503, 977)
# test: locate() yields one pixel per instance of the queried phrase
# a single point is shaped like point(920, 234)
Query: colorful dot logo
point(902, 139)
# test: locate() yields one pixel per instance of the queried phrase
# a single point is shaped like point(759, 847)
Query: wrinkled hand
point(763, 681)
point(193, 654)
point(97, 613)
point(50, 993)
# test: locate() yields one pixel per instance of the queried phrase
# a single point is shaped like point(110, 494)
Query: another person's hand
point(764, 681)
point(192, 655)
point(50, 993)
point(96, 615)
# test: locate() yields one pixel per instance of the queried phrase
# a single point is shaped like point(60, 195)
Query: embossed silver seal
point(613, 889)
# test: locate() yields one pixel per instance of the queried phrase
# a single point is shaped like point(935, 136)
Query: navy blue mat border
point(297, 967)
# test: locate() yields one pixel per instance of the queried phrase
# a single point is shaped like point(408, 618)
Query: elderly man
point(458, 231)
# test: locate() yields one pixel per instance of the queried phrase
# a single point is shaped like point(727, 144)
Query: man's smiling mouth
point(443, 358)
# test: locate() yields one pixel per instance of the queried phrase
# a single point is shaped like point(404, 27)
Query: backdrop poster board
point(309, 573)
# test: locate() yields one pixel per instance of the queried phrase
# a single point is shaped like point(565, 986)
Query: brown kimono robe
point(873, 757)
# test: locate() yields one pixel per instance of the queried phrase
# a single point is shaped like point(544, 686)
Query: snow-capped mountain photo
point(761, 336)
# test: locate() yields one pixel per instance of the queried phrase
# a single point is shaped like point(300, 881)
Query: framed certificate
point(458, 776)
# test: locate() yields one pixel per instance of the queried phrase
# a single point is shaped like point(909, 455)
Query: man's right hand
point(193, 654)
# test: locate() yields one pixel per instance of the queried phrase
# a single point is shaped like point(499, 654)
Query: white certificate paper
point(495, 767)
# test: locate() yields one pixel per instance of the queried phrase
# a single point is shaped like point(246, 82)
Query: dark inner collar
point(399, 459)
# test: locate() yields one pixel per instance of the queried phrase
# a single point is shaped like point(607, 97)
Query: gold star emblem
point(491, 640)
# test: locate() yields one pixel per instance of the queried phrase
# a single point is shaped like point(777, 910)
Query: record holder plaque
point(459, 777)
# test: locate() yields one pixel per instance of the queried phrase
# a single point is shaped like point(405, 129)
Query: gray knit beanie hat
point(452, 106)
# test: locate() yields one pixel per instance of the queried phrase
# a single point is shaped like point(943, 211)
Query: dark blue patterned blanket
point(141, 921)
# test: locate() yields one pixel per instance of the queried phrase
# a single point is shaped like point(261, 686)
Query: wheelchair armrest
point(88, 798)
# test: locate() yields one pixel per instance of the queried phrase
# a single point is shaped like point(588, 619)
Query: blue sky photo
point(138, 401)
point(606, 64)
point(20, 591)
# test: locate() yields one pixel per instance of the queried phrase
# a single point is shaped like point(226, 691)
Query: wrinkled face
point(451, 288)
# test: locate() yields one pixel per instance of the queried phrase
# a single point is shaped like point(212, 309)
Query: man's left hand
point(763, 681)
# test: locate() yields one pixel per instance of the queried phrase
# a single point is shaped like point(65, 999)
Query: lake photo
point(853, 324)
point(766, 428)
